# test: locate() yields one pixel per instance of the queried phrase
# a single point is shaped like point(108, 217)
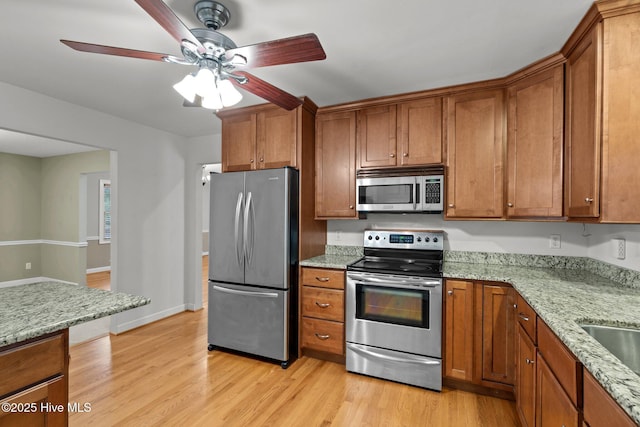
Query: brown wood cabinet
point(336, 165)
point(265, 136)
point(475, 154)
point(404, 134)
point(554, 408)
point(479, 336)
point(534, 145)
point(600, 410)
point(525, 387)
point(603, 67)
point(322, 313)
point(35, 377)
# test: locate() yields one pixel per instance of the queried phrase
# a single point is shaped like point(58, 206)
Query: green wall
point(40, 200)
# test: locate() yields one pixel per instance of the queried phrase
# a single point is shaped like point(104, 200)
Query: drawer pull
point(322, 337)
point(449, 292)
point(323, 304)
point(529, 361)
point(523, 317)
point(322, 279)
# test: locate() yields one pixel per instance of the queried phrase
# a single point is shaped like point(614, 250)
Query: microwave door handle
point(416, 199)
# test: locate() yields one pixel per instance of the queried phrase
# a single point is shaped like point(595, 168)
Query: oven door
point(401, 313)
point(387, 194)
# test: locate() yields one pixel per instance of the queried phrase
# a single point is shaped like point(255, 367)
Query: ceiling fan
point(220, 62)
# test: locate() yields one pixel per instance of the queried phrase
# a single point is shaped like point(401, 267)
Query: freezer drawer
point(249, 319)
point(421, 371)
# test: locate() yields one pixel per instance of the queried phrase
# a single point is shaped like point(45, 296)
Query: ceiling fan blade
point(117, 51)
point(267, 91)
point(282, 51)
point(169, 21)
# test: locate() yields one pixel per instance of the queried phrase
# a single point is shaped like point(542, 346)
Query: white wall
point(480, 236)
point(149, 188)
point(590, 240)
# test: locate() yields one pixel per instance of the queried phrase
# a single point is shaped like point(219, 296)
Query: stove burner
point(375, 264)
point(414, 267)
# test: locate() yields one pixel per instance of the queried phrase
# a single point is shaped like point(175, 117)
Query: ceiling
point(373, 49)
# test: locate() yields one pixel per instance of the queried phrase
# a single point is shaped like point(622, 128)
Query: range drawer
point(526, 317)
point(323, 278)
point(31, 363)
point(323, 303)
point(564, 366)
point(323, 335)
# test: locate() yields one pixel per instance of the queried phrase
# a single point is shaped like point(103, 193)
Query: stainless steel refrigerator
point(253, 258)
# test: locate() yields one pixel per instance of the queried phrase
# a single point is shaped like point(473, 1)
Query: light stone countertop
point(29, 311)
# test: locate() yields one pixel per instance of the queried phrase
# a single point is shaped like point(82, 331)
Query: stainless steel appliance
point(400, 190)
point(253, 257)
point(394, 308)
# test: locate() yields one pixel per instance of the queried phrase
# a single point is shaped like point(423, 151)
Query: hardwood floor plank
point(162, 375)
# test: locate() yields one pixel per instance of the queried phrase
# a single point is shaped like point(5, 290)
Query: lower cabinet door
point(554, 408)
point(525, 378)
point(323, 335)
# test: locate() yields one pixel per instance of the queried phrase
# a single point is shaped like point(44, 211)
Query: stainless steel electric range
point(394, 308)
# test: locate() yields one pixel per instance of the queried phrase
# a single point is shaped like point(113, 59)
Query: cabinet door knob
point(262, 159)
point(405, 154)
point(510, 205)
point(588, 199)
point(529, 361)
point(251, 161)
point(451, 205)
point(392, 155)
point(350, 206)
point(449, 292)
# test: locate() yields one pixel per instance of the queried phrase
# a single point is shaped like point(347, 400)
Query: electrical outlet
point(27, 266)
point(554, 241)
point(619, 248)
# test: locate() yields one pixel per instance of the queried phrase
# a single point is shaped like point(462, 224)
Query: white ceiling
point(373, 49)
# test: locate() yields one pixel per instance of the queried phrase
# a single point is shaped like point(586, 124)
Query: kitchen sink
point(624, 343)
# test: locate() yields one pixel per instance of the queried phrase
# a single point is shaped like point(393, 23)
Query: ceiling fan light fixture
point(187, 87)
point(205, 82)
point(212, 102)
point(228, 93)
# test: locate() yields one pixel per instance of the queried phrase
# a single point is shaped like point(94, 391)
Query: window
point(105, 211)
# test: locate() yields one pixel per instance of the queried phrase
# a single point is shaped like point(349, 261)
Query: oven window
point(393, 305)
point(386, 194)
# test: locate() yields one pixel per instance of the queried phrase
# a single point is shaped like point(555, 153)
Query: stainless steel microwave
point(400, 190)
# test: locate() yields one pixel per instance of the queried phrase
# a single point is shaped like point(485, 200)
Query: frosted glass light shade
point(205, 83)
point(228, 93)
point(187, 88)
point(212, 102)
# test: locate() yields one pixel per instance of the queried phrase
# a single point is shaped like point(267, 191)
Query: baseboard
point(136, 323)
point(31, 280)
point(98, 269)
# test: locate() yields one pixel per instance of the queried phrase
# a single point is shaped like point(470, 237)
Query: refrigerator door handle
point(237, 228)
point(248, 236)
point(253, 294)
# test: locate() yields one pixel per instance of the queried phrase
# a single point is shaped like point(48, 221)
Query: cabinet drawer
point(526, 317)
point(323, 278)
point(323, 335)
point(565, 367)
point(31, 363)
point(323, 303)
point(600, 410)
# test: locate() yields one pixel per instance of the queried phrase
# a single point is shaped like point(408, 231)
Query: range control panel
point(404, 239)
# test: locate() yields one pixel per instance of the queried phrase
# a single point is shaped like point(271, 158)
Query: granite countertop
point(565, 298)
point(29, 311)
point(337, 257)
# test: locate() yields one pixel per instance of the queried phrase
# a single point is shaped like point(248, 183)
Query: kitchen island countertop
point(29, 311)
point(566, 298)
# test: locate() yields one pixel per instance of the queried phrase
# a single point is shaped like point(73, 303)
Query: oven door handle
point(393, 281)
point(358, 349)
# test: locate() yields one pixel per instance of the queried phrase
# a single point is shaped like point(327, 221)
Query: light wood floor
point(100, 280)
point(162, 374)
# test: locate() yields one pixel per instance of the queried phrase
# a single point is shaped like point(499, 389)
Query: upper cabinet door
point(239, 143)
point(276, 138)
point(336, 165)
point(534, 145)
point(420, 132)
point(582, 127)
point(475, 154)
point(376, 138)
